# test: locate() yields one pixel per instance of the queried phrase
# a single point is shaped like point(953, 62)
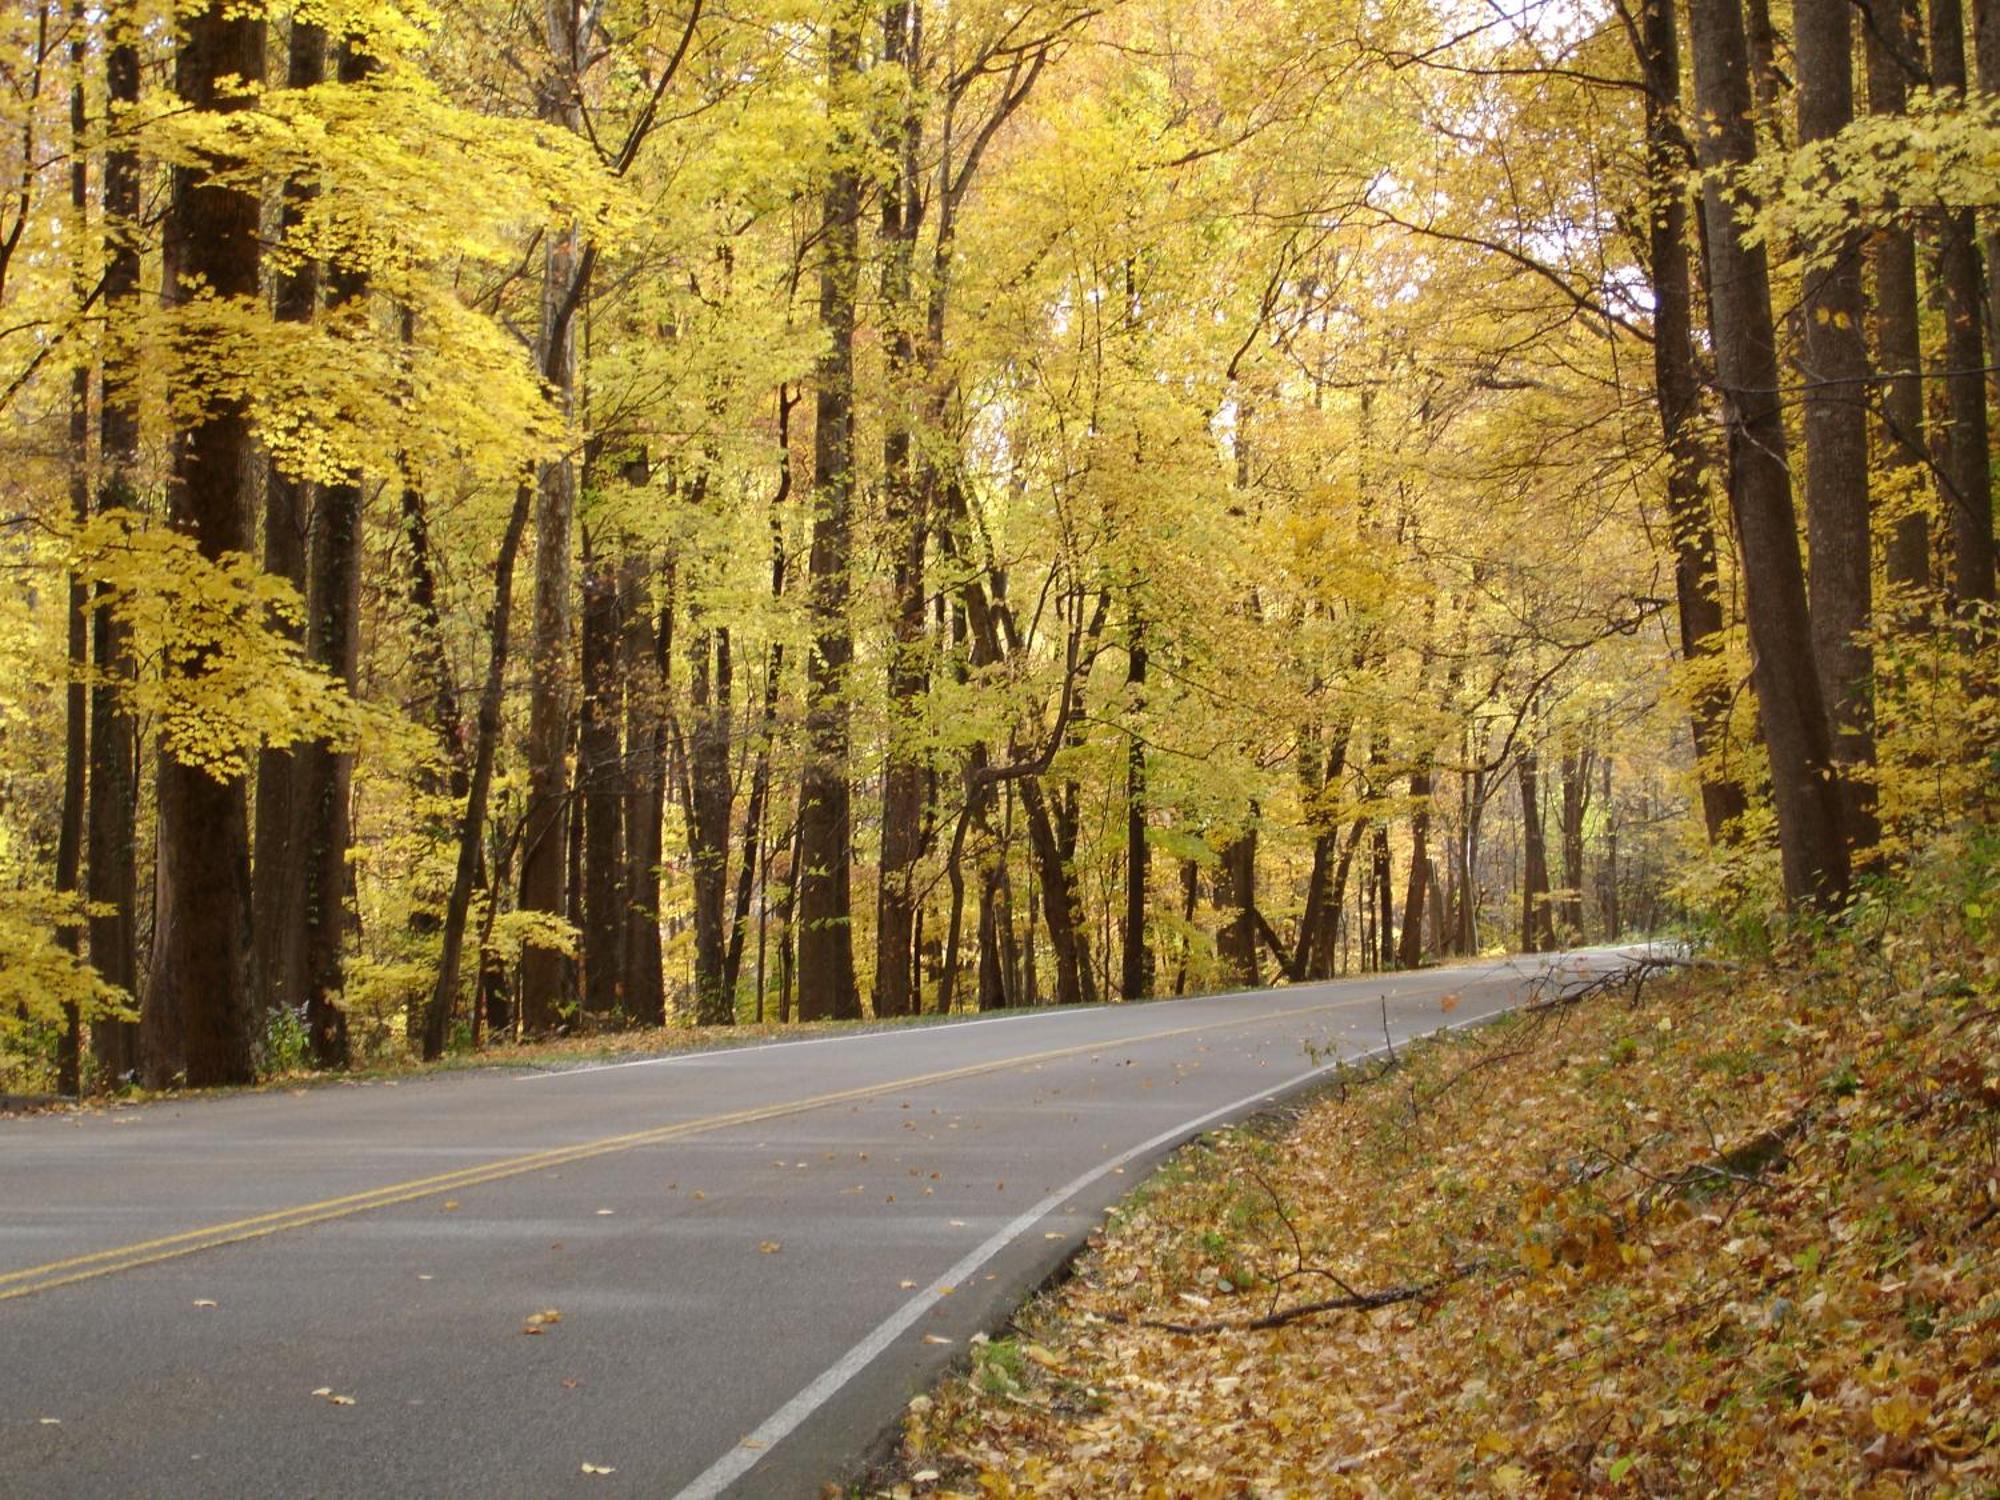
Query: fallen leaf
point(598, 1469)
point(204, 1302)
point(51, 1421)
point(450, 1204)
point(770, 1247)
point(932, 1338)
point(907, 1285)
point(1448, 1004)
point(605, 1213)
point(341, 1400)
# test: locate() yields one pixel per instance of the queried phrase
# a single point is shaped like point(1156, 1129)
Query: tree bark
point(1575, 774)
point(113, 785)
point(1537, 922)
point(1968, 472)
point(1678, 393)
point(643, 967)
point(1892, 51)
point(1136, 973)
point(1834, 364)
point(1796, 734)
point(322, 776)
point(905, 495)
point(76, 702)
point(278, 869)
point(708, 794)
point(602, 785)
point(1410, 950)
point(198, 1004)
point(444, 995)
point(825, 908)
point(1236, 896)
point(545, 972)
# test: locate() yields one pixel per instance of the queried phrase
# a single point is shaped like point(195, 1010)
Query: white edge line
point(787, 1419)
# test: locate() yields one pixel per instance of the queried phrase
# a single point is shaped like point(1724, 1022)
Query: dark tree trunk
point(437, 1019)
point(197, 1018)
point(1061, 907)
point(1537, 925)
point(114, 753)
point(905, 494)
point(76, 701)
point(1385, 900)
point(278, 870)
point(322, 776)
point(1575, 803)
point(1968, 479)
point(708, 793)
point(1190, 893)
point(755, 815)
point(825, 907)
point(1793, 713)
point(1136, 974)
point(1236, 897)
point(645, 810)
point(1410, 950)
point(603, 787)
point(1678, 393)
point(1834, 364)
point(546, 972)
point(1893, 52)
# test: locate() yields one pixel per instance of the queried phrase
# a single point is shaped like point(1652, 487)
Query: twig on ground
point(1350, 1302)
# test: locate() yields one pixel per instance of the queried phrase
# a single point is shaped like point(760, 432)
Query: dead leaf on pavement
point(770, 1247)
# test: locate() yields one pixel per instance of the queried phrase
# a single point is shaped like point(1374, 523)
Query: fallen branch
point(1350, 1302)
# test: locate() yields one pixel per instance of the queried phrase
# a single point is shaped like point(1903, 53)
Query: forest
point(532, 521)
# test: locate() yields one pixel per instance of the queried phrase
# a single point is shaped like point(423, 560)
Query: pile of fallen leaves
point(1727, 1231)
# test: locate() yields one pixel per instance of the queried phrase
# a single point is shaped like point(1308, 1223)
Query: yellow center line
point(58, 1273)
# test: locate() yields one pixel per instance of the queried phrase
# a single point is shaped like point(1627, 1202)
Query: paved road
point(757, 1255)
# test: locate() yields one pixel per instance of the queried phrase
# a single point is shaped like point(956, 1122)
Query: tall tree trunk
point(114, 754)
point(1061, 907)
point(444, 995)
point(323, 777)
point(708, 794)
point(1893, 52)
point(1796, 734)
point(905, 494)
point(1385, 899)
point(1968, 465)
point(1835, 366)
point(197, 1017)
point(646, 754)
point(825, 908)
point(76, 703)
point(1236, 896)
point(1678, 394)
point(1410, 951)
point(602, 785)
point(1136, 974)
point(1537, 924)
point(1575, 773)
point(278, 869)
point(756, 814)
point(546, 972)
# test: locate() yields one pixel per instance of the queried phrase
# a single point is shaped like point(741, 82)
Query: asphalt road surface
point(755, 1256)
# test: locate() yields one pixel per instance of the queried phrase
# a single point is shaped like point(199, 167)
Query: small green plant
point(998, 1367)
point(286, 1042)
